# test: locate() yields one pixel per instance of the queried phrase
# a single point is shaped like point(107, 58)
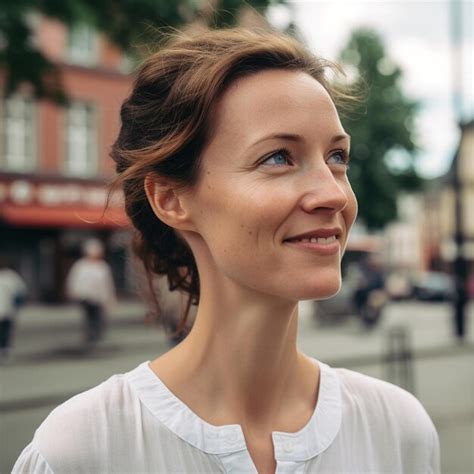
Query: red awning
point(39, 216)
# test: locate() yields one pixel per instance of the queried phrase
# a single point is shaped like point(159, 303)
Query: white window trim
point(27, 127)
point(76, 53)
point(86, 150)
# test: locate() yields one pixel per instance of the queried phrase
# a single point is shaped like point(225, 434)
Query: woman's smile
point(318, 245)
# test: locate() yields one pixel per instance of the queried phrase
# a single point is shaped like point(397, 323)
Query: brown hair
point(165, 125)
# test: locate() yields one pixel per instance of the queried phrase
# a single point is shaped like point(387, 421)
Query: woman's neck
point(240, 364)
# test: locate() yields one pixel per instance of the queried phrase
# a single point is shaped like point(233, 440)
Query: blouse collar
point(308, 442)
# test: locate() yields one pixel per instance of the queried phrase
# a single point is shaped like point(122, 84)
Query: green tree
point(381, 127)
point(125, 22)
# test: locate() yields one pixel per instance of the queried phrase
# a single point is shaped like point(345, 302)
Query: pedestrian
point(12, 296)
point(233, 162)
point(370, 295)
point(90, 284)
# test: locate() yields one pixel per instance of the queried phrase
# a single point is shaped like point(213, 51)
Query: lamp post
point(460, 264)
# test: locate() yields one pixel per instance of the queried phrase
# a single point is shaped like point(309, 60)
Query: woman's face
point(273, 175)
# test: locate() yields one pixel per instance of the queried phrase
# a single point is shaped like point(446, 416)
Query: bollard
point(399, 358)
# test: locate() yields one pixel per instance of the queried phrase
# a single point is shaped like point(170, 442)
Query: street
point(49, 365)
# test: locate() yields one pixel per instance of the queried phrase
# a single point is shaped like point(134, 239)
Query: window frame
point(89, 148)
point(29, 115)
point(77, 52)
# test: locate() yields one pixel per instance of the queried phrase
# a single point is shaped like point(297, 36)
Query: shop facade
point(55, 165)
point(44, 223)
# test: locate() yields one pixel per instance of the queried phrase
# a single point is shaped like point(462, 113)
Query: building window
point(82, 45)
point(19, 134)
point(81, 139)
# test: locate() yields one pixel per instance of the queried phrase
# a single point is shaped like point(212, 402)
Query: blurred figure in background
point(370, 296)
point(12, 296)
point(90, 283)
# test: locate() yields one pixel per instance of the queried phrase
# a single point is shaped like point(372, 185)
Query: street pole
point(460, 264)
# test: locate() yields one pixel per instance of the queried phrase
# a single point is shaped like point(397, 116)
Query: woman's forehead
point(273, 101)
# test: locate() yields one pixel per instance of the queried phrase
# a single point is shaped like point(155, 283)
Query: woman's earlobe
point(165, 202)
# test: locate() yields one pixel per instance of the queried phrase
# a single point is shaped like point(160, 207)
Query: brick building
point(54, 163)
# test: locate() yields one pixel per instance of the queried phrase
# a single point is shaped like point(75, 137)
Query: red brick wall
point(106, 91)
point(104, 86)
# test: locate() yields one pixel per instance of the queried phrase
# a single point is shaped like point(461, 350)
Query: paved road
point(49, 366)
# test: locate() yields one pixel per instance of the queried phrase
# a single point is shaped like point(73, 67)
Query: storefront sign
point(66, 203)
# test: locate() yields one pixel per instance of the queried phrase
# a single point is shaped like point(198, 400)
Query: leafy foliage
point(381, 125)
point(125, 22)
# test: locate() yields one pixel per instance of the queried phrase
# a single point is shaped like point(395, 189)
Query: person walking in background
point(90, 283)
point(12, 296)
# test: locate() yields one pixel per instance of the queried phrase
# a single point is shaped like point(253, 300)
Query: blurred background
point(405, 312)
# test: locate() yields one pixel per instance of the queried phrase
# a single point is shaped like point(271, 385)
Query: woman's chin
point(320, 291)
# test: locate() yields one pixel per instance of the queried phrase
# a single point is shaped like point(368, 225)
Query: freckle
point(208, 172)
point(250, 232)
point(241, 225)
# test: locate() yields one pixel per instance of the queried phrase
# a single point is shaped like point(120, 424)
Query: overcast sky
point(416, 34)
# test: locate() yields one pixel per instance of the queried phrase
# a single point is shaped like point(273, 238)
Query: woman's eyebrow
point(298, 138)
point(342, 136)
point(284, 136)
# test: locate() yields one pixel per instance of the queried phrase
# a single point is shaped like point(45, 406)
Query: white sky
point(416, 34)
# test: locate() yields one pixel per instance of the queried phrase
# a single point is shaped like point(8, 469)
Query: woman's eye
point(340, 157)
point(278, 158)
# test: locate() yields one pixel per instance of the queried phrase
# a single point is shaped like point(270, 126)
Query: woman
point(233, 162)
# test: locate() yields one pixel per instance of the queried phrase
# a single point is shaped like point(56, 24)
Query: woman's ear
point(167, 202)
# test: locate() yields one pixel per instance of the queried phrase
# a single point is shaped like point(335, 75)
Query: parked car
point(434, 286)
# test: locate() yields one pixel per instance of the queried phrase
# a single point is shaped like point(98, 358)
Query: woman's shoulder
point(87, 411)
point(77, 431)
point(386, 415)
point(382, 403)
point(103, 400)
point(362, 388)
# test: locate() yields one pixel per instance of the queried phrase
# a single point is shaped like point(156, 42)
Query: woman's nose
point(323, 190)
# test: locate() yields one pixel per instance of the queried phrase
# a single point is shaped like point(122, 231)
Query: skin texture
point(240, 363)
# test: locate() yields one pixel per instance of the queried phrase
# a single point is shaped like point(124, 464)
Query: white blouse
point(132, 423)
